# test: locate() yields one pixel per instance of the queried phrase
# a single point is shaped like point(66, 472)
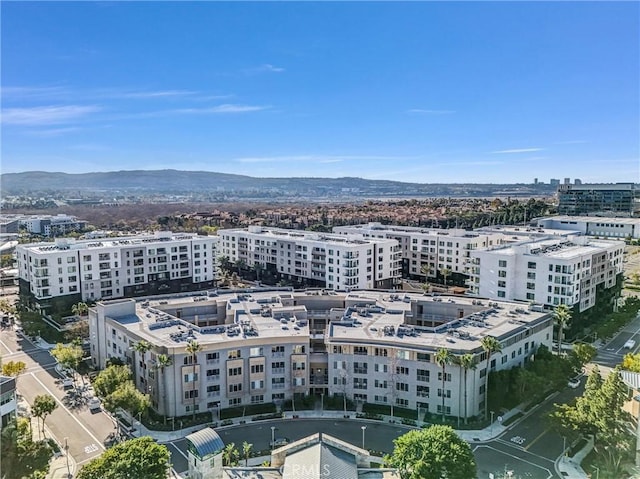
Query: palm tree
point(80, 309)
point(490, 345)
point(562, 317)
point(163, 361)
point(426, 270)
point(445, 272)
point(466, 362)
point(246, 450)
point(193, 348)
point(229, 454)
point(443, 358)
point(142, 347)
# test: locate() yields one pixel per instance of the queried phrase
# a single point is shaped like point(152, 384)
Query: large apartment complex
point(428, 252)
point(615, 199)
point(265, 346)
point(71, 271)
point(607, 227)
point(316, 259)
point(44, 225)
point(549, 271)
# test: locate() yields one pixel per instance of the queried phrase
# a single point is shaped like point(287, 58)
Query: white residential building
point(547, 271)
point(266, 346)
point(88, 270)
point(314, 259)
point(46, 225)
point(429, 249)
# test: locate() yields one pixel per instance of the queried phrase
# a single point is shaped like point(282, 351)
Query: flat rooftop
point(592, 219)
point(371, 316)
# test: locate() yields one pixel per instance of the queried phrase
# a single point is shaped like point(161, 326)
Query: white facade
point(118, 267)
point(47, 225)
point(437, 249)
point(547, 271)
point(265, 346)
point(332, 261)
point(594, 225)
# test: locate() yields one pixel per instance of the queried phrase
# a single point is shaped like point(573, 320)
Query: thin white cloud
point(421, 111)
point(264, 68)
point(158, 94)
point(518, 150)
point(47, 115)
point(52, 132)
point(225, 108)
point(27, 92)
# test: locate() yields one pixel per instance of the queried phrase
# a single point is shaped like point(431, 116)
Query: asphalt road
point(85, 431)
point(612, 353)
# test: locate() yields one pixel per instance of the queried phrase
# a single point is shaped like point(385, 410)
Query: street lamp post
point(66, 453)
point(273, 436)
point(564, 447)
point(321, 403)
point(492, 413)
point(637, 399)
point(364, 428)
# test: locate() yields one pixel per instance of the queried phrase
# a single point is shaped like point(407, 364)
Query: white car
point(67, 383)
point(629, 344)
point(94, 404)
point(574, 383)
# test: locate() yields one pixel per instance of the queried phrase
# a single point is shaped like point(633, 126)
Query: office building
point(619, 199)
point(313, 259)
point(266, 346)
point(549, 271)
point(68, 271)
point(606, 227)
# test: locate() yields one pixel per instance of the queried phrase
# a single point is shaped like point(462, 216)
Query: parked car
point(630, 344)
point(574, 383)
point(67, 383)
point(94, 404)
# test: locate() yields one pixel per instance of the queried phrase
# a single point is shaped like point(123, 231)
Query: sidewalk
point(62, 465)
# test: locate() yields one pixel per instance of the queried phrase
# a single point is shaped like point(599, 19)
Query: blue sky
point(427, 92)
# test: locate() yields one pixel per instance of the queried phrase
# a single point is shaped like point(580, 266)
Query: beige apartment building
point(266, 346)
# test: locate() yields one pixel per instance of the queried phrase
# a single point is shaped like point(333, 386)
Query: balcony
point(213, 378)
point(213, 394)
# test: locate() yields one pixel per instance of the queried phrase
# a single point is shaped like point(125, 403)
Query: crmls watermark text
point(303, 470)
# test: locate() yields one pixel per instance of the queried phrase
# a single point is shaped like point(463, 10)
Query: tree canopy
point(108, 380)
point(141, 458)
point(43, 405)
point(68, 355)
point(435, 453)
point(13, 368)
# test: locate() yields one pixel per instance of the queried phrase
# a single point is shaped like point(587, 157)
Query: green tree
point(445, 272)
point(562, 318)
point(69, 356)
point(246, 451)
point(127, 397)
point(230, 455)
point(490, 345)
point(80, 309)
point(13, 369)
point(43, 405)
point(436, 452)
point(141, 458)
point(193, 348)
point(631, 362)
point(580, 355)
point(466, 362)
point(110, 378)
point(443, 358)
point(162, 363)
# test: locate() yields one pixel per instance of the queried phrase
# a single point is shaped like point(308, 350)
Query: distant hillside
point(175, 182)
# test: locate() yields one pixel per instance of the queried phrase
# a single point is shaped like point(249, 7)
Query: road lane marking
point(517, 458)
point(6, 347)
point(69, 412)
point(535, 440)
